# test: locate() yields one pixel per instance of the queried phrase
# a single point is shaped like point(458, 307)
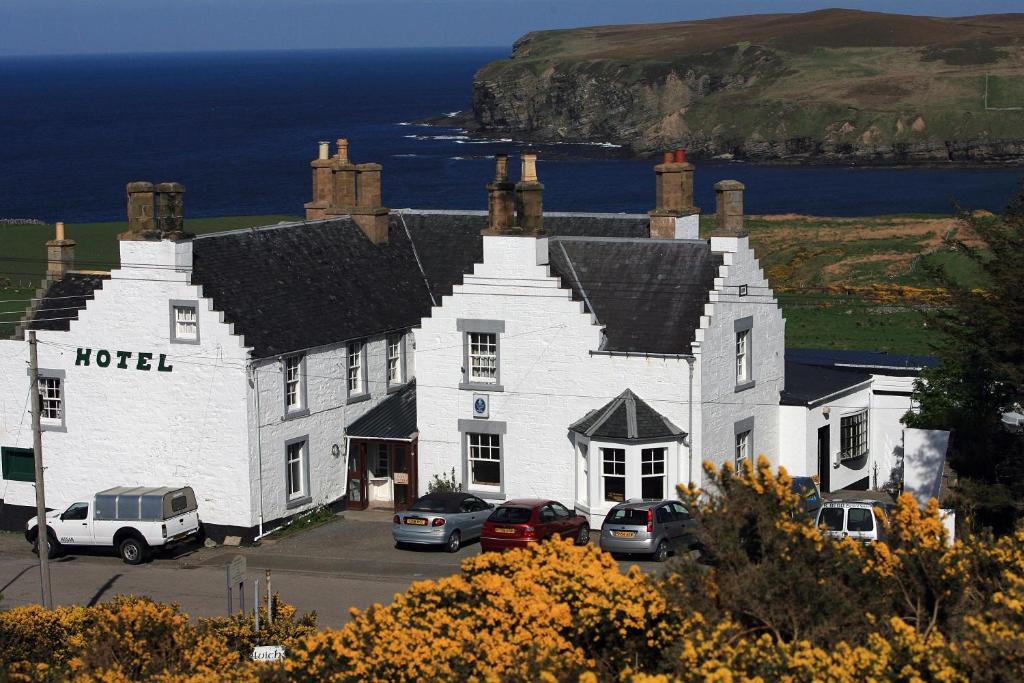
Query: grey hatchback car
point(653, 527)
point(446, 519)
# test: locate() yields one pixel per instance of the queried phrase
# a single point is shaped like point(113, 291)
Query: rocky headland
point(833, 86)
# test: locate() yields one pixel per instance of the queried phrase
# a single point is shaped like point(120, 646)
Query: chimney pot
point(500, 168)
point(343, 150)
point(501, 199)
point(680, 156)
point(729, 206)
point(324, 150)
point(60, 254)
point(60, 231)
point(667, 158)
point(529, 171)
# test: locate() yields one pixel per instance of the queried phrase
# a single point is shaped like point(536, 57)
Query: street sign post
point(236, 577)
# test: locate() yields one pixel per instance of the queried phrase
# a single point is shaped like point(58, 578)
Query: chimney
point(343, 192)
point(729, 206)
point(530, 198)
point(674, 215)
point(368, 213)
point(322, 189)
point(501, 199)
point(60, 255)
point(170, 219)
point(140, 208)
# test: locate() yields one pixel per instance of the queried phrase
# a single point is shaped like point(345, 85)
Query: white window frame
point(744, 447)
point(486, 448)
point(355, 369)
point(395, 359)
point(479, 353)
point(296, 460)
point(616, 471)
point(649, 467)
point(51, 399)
point(742, 356)
point(293, 373)
point(177, 333)
point(858, 444)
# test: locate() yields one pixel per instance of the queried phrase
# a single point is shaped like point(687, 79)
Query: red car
point(518, 523)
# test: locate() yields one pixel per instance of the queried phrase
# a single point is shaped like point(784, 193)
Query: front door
point(824, 458)
point(400, 472)
point(379, 474)
point(357, 476)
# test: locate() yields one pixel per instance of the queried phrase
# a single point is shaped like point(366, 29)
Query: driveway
point(348, 562)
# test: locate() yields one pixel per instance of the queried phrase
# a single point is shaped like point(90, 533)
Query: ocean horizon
point(238, 129)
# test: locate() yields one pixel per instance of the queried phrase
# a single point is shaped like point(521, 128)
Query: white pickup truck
point(133, 520)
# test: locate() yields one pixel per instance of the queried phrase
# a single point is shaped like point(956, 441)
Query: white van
point(860, 520)
point(133, 520)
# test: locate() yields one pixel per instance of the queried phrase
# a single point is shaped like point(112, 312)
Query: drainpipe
point(259, 440)
point(689, 425)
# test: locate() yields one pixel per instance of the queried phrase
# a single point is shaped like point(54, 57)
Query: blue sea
point(239, 129)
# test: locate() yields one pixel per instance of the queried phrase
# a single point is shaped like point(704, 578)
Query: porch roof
point(628, 417)
point(806, 384)
point(393, 418)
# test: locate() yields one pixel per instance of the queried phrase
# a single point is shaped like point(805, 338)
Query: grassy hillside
point(832, 83)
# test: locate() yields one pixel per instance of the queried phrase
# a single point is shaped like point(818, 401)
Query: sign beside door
point(401, 478)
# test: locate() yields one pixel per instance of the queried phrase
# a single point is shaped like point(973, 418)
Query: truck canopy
point(131, 503)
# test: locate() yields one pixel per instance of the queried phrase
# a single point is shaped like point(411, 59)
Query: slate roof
point(648, 294)
point(392, 418)
point(628, 417)
point(882, 363)
point(808, 383)
point(303, 285)
point(63, 300)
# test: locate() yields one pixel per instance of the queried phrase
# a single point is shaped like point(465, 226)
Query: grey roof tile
point(628, 417)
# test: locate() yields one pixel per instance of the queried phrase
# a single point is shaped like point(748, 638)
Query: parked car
point(447, 519)
point(649, 527)
point(133, 520)
point(518, 523)
point(857, 519)
point(810, 496)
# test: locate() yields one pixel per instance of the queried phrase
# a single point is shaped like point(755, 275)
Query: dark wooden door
point(824, 458)
point(400, 461)
point(357, 477)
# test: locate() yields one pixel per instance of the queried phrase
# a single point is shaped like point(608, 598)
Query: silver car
point(447, 519)
point(650, 527)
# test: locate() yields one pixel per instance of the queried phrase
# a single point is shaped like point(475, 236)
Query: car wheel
point(583, 537)
point(454, 542)
point(400, 545)
point(661, 552)
point(132, 551)
point(53, 548)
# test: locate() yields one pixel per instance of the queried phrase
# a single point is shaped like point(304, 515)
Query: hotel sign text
point(138, 360)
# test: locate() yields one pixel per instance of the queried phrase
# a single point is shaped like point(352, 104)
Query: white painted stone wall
point(890, 401)
point(721, 406)
point(551, 378)
point(137, 427)
point(15, 416)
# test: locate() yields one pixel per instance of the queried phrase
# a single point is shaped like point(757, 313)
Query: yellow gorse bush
point(923, 610)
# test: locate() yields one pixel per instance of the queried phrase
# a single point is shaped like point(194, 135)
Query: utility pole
point(42, 537)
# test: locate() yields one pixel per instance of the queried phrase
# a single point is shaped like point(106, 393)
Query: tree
point(980, 373)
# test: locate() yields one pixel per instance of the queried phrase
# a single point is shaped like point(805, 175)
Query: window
point(652, 473)
point(742, 356)
point(19, 464)
point(179, 503)
point(294, 389)
point(613, 461)
point(561, 512)
point(853, 436)
point(860, 519)
point(743, 447)
point(394, 359)
point(184, 322)
point(356, 376)
point(679, 513)
point(381, 464)
point(51, 406)
point(483, 357)
point(832, 518)
point(485, 459)
point(76, 511)
point(295, 469)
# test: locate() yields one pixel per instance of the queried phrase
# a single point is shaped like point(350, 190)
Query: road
point(349, 562)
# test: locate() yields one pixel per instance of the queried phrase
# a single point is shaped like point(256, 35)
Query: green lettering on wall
point(123, 357)
point(144, 359)
point(103, 358)
point(163, 367)
point(82, 357)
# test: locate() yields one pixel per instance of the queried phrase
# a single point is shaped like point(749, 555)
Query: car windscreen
point(627, 516)
point(429, 504)
point(832, 518)
point(510, 515)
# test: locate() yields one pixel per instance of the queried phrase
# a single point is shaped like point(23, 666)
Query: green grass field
point(1005, 92)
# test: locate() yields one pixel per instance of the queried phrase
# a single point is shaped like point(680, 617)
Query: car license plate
point(504, 530)
point(624, 534)
point(416, 521)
